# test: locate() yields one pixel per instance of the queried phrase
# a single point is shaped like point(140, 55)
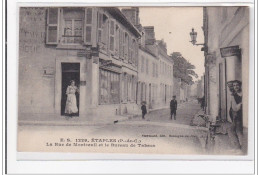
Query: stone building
point(226, 32)
point(165, 74)
point(155, 75)
point(95, 47)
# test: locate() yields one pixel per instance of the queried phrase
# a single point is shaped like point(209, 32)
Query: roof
point(117, 14)
point(147, 51)
point(165, 55)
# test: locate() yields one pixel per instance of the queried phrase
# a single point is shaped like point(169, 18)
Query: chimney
point(132, 14)
point(162, 45)
point(149, 35)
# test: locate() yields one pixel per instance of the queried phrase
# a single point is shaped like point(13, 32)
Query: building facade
point(221, 68)
point(165, 74)
point(95, 47)
point(226, 31)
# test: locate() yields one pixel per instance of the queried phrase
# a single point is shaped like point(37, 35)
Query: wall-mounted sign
point(229, 51)
point(83, 83)
point(105, 62)
point(95, 51)
point(89, 52)
point(95, 60)
point(84, 53)
point(48, 71)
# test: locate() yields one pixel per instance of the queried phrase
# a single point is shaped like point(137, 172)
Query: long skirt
point(71, 104)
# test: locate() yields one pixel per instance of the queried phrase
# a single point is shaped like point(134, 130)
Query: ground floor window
point(109, 87)
point(129, 85)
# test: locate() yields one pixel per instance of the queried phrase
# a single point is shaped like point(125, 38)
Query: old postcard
point(142, 80)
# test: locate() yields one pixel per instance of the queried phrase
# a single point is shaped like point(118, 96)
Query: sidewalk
point(51, 120)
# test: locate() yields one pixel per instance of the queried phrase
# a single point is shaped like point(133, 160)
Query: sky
point(173, 25)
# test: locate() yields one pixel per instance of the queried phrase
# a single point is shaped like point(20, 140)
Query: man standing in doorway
point(173, 106)
point(235, 132)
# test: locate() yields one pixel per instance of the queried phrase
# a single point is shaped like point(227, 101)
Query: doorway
point(70, 71)
point(222, 94)
point(165, 94)
point(150, 96)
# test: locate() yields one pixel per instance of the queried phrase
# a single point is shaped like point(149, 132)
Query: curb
point(72, 123)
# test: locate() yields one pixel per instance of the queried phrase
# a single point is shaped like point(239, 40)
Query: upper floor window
point(142, 64)
point(69, 26)
point(147, 66)
point(72, 28)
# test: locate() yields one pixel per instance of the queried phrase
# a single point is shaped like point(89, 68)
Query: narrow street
point(158, 134)
point(185, 113)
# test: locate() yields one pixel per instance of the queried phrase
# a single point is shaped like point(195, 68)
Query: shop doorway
point(222, 94)
point(165, 94)
point(150, 97)
point(70, 71)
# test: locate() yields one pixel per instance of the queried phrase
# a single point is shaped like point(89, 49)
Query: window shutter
point(88, 26)
point(112, 35)
point(117, 40)
point(120, 43)
point(100, 20)
point(52, 33)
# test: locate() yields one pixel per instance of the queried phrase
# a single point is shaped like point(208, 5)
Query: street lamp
point(193, 36)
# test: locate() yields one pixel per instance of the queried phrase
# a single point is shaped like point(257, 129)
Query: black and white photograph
point(133, 80)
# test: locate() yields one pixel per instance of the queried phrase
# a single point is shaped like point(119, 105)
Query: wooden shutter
point(112, 32)
point(100, 21)
point(52, 33)
point(117, 40)
point(88, 26)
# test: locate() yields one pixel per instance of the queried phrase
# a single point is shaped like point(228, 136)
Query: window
point(135, 50)
point(142, 65)
point(100, 19)
point(147, 66)
point(117, 41)
point(104, 34)
point(109, 87)
point(72, 32)
point(121, 48)
point(112, 35)
point(103, 37)
point(156, 70)
point(153, 69)
point(130, 55)
point(161, 68)
point(126, 45)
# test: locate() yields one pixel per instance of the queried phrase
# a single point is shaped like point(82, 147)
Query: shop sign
point(229, 51)
point(105, 63)
point(83, 83)
point(84, 53)
point(89, 52)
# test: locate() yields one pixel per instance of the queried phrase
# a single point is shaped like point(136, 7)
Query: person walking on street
point(143, 108)
point(173, 106)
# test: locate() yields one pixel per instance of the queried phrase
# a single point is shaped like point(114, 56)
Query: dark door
point(150, 96)
point(165, 94)
point(70, 71)
point(222, 98)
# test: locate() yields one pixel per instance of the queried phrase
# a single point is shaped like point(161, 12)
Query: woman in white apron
point(71, 103)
